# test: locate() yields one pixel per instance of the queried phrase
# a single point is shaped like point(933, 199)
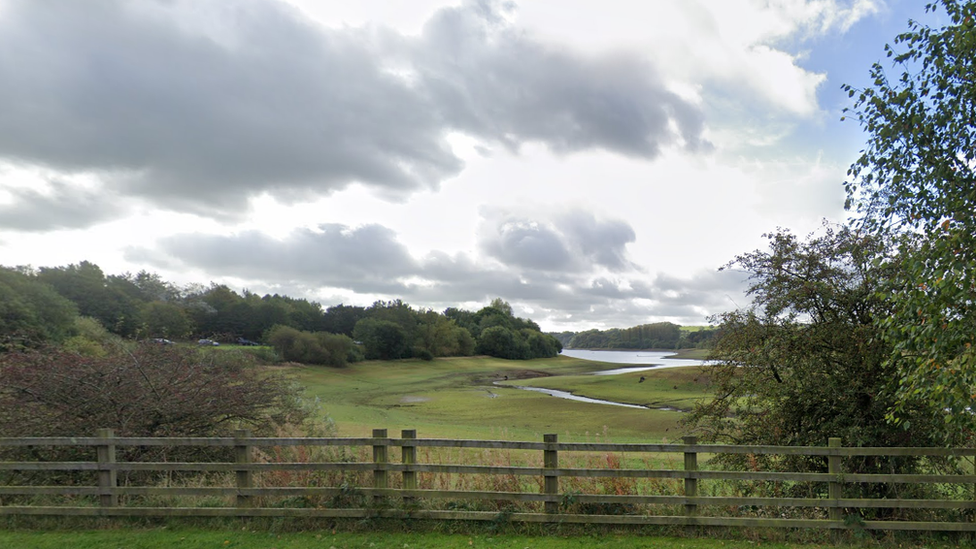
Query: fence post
point(245, 478)
point(550, 460)
point(107, 478)
point(409, 457)
point(835, 490)
point(379, 457)
point(691, 484)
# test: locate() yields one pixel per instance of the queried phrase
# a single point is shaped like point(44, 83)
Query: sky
point(593, 163)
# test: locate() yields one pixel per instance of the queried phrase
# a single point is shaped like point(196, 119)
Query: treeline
point(660, 335)
point(44, 305)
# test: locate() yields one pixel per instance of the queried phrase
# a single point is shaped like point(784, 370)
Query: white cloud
point(743, 47)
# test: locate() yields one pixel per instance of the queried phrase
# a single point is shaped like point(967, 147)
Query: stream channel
point(640, 360)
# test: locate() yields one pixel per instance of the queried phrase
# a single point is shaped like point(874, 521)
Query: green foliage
point(501, 342)
point(220, 310)
point(31, 313)
point(563, 337)
point(498, 332)
point(166, 320)
point(438, 335)
point(917, 177)
point(312, 347)
point(807, 362)
point(382, 339)
point(660, 335)
point(113, 300)
point(145, 306)
point(264, 354)
point(524, 344)
point(91, 338)
point(342, 319)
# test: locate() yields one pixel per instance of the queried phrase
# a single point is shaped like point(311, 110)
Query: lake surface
point(641, 360)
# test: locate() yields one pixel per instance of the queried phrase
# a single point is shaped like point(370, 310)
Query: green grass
point(244, 539)
point(457, 397)
point(237, 347)
point(691, 354)
point(677, 388)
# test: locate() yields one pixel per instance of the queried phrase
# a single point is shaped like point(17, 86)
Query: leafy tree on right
point(915, 181)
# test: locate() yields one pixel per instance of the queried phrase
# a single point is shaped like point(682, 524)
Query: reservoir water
point(640, 360)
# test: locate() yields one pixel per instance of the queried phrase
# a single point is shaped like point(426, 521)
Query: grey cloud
point(708, 291)
point(574, 241)
point(197, 106)
point(528, 244)
point(367, 259)
point(171, 113)
point(494, 81)
point(605, 287)
point(64, 207)
point(602, 241)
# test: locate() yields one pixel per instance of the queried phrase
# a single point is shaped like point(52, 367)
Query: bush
point(91, 338)
point(264, 355)
point(312, 347)
point(150, 390)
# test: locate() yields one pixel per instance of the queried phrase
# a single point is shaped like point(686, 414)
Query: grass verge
point(192, 538)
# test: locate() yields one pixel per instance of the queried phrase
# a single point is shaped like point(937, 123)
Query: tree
point(165, 319)
point(806, 362)
point(342, 319)
point(113, 301)
point(500, 342)
point(517, 344)
point(501, 305)
point(31, 313)
point(383, 339)
point(153, 287)
point(915, 178)
point(440, 336)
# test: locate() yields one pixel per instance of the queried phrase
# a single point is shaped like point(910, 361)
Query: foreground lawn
point(192, 539)
point(467, 398)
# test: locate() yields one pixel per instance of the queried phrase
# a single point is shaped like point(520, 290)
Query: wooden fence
point(389, 489)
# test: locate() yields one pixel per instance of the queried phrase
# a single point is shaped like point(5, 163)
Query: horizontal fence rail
point(512, 481)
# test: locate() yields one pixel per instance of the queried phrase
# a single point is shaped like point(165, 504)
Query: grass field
point(678, 388)
point(459, 397)
point(245, 539)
